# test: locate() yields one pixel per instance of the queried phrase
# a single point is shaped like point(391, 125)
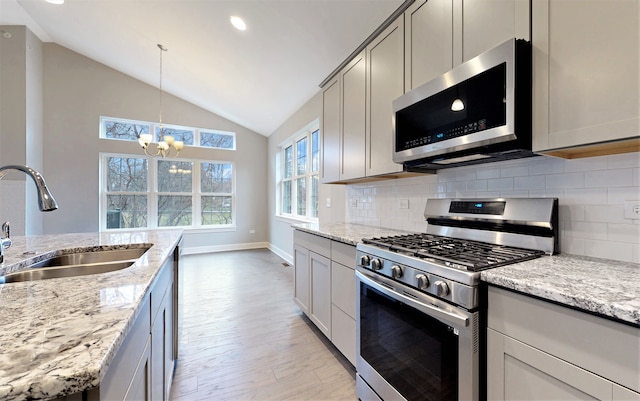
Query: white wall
point(67, 95)
point(591, 193)
point(280, 231)
point(20, 126)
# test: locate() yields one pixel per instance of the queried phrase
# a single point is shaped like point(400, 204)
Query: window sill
point(295, 220)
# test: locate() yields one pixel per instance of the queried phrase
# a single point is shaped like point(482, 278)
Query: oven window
point(414, 353)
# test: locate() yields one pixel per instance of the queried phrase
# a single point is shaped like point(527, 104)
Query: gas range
point(464, 237)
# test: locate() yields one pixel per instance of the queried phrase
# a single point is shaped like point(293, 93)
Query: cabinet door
point(488, 23)
point(353, 118)
point(516, 371)
point(428, 41)
point(385, 59)
point(331, 131)
point(301, 278)
point(140, 388)
point(320, 311)
point(586, 81)
point(624, 394)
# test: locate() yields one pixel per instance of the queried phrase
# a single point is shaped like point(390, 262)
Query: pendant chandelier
point(168, 143)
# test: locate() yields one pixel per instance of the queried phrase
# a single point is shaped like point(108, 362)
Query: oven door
point(412, 346)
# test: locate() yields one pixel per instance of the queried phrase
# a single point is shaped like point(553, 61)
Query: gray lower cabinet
point(537, 350)
point(142, 369)
point(324, 288)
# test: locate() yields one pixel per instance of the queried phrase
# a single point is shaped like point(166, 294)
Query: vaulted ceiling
point(256, 78)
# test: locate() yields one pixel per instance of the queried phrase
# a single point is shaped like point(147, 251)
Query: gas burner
point(453, 252)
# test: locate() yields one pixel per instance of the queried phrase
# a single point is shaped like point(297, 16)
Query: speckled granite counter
point(348, 233)
point(58, 336)
point(605, 287)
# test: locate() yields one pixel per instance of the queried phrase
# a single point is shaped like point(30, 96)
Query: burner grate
point(471, 255)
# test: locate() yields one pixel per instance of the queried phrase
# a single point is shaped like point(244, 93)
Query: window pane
point(174, 210)
point(216, 210)
point(126, 211)
point(217, 140)
point(126, 174)
point(301, 154)
point(183, 135)
point(174, 176)
point(286, 197)
point(120, 130)
point(216, 177)
point(301, 193)
point(315, 151)
point(288, 162)
point(313, 196)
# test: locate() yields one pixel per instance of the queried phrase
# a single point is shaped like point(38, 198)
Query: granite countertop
point(58, 336)
point(605, 287)
point(347, 233)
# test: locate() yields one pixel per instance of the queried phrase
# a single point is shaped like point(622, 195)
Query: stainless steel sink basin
point(77, 264)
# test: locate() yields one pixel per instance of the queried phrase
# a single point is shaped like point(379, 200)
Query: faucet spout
point(46, 202)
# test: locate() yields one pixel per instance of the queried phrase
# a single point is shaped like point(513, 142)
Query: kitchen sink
point(77, 264)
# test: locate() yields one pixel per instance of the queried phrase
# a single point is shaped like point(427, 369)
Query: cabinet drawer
point(314, 243)
point(606, 348)
point(160, 286)
point(343, 253)
point(343, 288)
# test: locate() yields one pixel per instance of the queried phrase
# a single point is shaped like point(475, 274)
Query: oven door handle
point(438, 313)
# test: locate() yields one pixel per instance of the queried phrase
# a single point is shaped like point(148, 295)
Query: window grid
point(158, 196)
point(300, 176)
point(129, 130)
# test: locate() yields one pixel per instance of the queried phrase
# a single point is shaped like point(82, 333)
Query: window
point(137, 192)
point(300, 175)
point(130, 130)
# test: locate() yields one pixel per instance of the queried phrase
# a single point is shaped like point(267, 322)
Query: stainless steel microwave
point(478, 112)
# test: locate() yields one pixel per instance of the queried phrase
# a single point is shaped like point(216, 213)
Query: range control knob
point(396, 271)
point(364, 260)
point(442, 289)
point(376, 264)
point(423, 281)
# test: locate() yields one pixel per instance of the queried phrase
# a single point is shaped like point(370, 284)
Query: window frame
point(153, 194)
point(307, 132)
point(153, 126)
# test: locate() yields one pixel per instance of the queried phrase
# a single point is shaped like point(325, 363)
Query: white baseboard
point(222, 248)
point(284, 255)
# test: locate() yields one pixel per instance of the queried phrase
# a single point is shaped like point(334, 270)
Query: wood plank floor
point(243, 338)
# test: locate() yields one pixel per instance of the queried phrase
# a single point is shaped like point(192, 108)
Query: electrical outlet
point(252, 231)
point(632, 210)
point(403, 203)
point(328, 202)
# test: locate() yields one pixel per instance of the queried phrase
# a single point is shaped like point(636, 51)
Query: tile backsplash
point(591, 194)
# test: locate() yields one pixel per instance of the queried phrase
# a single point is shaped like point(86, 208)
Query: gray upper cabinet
point(586, 81)
point(480, 25)
point(428, 41)
point(354, 85)
point(385, 62)
point(331, 149)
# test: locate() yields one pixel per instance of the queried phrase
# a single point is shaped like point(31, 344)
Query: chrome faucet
point(45, 199)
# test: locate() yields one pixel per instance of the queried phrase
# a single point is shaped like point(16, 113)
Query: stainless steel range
point(419, 311)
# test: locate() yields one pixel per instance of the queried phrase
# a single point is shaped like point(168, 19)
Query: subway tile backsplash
point(591, 194)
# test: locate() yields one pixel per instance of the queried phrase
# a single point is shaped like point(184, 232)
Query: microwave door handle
point(442, 315)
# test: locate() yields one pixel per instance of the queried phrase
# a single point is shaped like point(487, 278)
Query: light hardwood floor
point(243, 338)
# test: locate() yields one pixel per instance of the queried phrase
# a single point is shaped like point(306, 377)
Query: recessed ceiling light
point(238, 23)
point(55, 1)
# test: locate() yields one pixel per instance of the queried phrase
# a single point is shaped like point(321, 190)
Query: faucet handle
point(6, 229)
